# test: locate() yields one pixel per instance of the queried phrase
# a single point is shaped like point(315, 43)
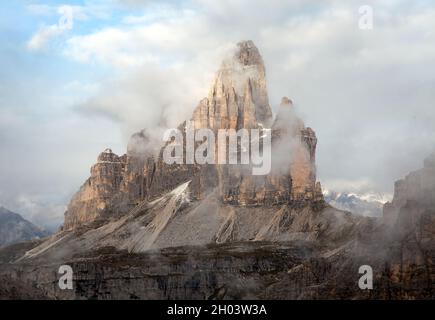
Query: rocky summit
point(237, 99)
point(140, 228)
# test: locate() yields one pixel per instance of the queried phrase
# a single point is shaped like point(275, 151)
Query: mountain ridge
point(14, 228)
point(369, 205)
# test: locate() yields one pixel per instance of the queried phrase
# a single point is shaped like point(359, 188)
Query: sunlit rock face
point(295, 148)
point(238, 99)
point(292, 179)
point(93, 197)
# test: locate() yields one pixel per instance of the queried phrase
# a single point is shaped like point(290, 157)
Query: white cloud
point(43, 36)
point(157, 42)
point(46, 33)
point(66, 13)
point(45, 213)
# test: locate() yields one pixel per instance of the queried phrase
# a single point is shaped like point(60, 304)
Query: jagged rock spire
point(238, 97)
point(248, 54)
point(286, 121)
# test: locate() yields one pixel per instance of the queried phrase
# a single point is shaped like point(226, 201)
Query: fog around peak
point(129, 65)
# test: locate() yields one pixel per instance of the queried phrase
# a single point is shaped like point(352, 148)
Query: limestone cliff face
point(414, 202)
point(295, 148)
point(292, 179)
point(237, 99)
point(91, 202)
point(409, 223)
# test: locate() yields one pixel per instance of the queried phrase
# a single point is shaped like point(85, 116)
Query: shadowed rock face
point(414, 198)
point(13, 228)
point(237, 99)
point(236, 270)
point(409, 222)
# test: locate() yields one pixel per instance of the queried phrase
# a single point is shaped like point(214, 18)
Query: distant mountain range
point(369, 205)
point(14, 228)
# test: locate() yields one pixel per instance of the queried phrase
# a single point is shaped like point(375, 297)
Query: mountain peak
point(238, 99)
point(286, 102)
point(6, 212)
point(14, 228)
point(238, 96)
point(248, 54)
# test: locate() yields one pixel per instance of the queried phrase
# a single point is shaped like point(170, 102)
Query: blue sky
point(70, 90)
point(38, 118)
